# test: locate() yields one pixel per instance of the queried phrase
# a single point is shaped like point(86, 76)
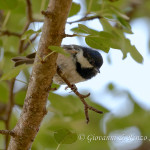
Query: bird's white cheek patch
point(83, 61)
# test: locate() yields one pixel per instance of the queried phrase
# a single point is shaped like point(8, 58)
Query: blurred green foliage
point(65, 121)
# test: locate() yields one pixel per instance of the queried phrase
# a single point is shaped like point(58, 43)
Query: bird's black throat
point(86, 73)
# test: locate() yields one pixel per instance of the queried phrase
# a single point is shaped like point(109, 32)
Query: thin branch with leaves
point(82, 97)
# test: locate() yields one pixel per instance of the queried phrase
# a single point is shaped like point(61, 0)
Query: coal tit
point(82, 64)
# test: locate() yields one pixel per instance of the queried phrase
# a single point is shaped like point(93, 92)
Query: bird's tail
point(29, 59)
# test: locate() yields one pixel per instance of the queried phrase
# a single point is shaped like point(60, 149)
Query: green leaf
point(28, 33)
point(119, 41)
point(110, 86)
point(113, 0)
point(58, 50)
point(103, 41)
point(116, 33)
point(6, 63)
point(97, 43)
point(133, 51)
point(60, 103)
point(64, 136)
point(80, 30)
point(84, 29)
point(19, 97)
point(75, 8)
point(118, 12)
point(55, 86)
point(124, 22)
point(99, 40)
point(106, 25)
point(1, 43)
point(8, 4)
point(13, 120)
point(13, 72)
point(125, 25)
point(20, 9)
point(4, 92)
point(93, 5)
point(45, 138)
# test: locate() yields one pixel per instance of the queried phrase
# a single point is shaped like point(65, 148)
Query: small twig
point(38, 20)
point(69, 35)
point(43, 60)
point(21, 81)
point(9, 33)
point(20, 46)
point(29, 21)
point(11, 102)
point(9, 110)
point(85, 18)
point(82, 97)
point(21, 43)
point(47, 13)
point(28, 43)
point(7, 132)
point(53, 89)
point(6, 19)
point(2, 118)
point(29, 11)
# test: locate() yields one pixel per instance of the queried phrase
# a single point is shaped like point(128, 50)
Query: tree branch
point(38, 20)
point(9, 111)
point(29, 21)
point(7, 132)
point(85, 18)
point(82, 97)
point(29, 11)
point(29, 43)
point(34, 108)
point(69, 35)
point(9, 33)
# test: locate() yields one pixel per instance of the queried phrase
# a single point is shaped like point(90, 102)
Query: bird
point(82, 64)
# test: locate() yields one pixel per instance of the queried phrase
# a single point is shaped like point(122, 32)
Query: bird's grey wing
point(22, 60)
point(32, 55)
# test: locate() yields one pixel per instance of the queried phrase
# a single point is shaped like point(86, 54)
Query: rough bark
point(34, 108)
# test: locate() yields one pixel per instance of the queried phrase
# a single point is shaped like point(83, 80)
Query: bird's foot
point(73, 87)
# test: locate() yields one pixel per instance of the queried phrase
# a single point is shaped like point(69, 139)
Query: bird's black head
point(93, 57)
point(88, 61)
point(80, 52)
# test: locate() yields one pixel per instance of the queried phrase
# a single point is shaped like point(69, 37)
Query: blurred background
point(121, 90)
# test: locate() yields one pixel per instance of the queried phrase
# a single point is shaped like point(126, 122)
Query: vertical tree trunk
point(34, 108)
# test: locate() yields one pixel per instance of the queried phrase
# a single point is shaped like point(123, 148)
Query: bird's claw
point(73, 87)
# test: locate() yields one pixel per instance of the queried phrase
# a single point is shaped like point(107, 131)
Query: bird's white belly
point(69, 69)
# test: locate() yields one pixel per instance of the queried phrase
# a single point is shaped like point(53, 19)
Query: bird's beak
point(97, 70)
